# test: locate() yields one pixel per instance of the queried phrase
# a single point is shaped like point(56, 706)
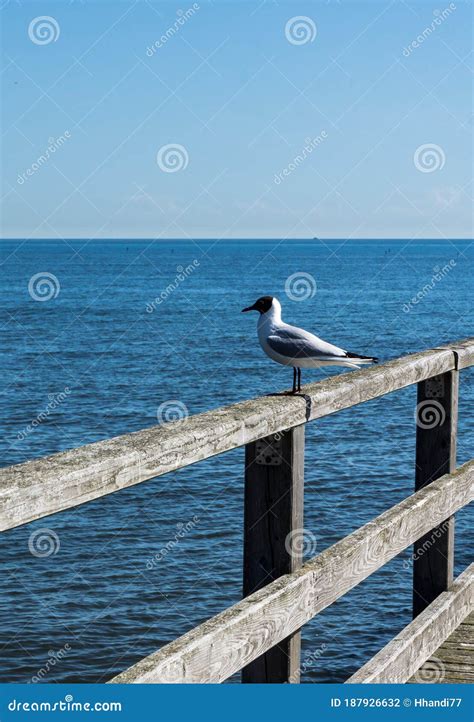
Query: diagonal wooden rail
point(401, 657)
point(215, 650)
point(48, 485)
point(261, 633)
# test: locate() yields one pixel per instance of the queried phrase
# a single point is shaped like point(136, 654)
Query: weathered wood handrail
point(404, 654)
point(49, 485)
point(221, 646)
point(261, 634)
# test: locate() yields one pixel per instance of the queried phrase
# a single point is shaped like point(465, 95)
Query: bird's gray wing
point(296, 343)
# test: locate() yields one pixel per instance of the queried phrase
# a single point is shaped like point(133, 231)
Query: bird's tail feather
point(359, 359)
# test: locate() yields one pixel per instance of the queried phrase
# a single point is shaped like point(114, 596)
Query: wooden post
point(273, 536)
point(436, 429)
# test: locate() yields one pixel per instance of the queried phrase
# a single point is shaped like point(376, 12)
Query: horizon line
point(244, 238)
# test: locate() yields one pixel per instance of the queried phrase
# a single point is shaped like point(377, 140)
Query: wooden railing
point(261, 634)
point(400, 659)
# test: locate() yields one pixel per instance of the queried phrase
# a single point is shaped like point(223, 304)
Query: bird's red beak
point(249, 308)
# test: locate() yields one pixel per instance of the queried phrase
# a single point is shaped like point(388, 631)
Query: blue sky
point(240, 92)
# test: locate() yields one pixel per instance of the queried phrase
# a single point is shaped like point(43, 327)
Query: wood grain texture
point(274, 537)
point(464, 351)
point(453, 661)
point(405, 654)
point(45, 486)
point(436, 432)
point(224, 644)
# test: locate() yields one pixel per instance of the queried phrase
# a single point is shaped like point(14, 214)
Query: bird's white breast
point(267, 325)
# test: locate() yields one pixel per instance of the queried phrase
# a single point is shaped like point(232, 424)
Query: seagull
point(293, 346)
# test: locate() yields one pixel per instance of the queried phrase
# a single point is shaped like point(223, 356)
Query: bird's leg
point(294, 380)
point(299, 378)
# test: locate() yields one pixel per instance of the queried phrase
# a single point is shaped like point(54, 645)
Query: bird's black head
point(262, 305)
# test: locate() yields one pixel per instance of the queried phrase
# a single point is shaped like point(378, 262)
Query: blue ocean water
point(132, 325)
